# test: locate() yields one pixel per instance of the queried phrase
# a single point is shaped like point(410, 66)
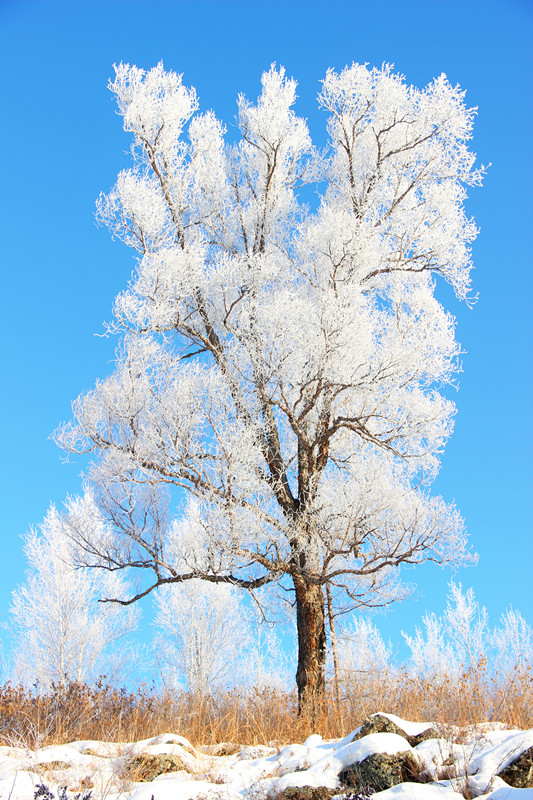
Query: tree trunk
point(310, 675)
point(331, 619)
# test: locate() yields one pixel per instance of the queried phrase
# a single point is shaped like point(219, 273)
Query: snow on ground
point(456, 763)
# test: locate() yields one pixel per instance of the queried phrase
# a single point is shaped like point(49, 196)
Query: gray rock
point(519, 773)
point(380, 771)
point(307, 793)
point(379, 723)
point(144, 767)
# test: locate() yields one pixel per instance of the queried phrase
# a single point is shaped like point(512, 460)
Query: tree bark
point(310, 675)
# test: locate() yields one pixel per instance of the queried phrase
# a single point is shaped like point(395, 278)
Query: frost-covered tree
point(433, 656)
point(466, 625)
point(204, 638)
point(461, 640)
point(3, 664)
point(364, 659)
point(513, 641)
point(270, 666)
point(62, 632)
point(364, 652)
point(282, 363)
point(207, 639)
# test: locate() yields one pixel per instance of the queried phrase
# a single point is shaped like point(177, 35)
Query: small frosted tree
point(281, 363)
point(452, 643)
point(461, 639)
point(3, 664)
point(364, 652)
point(433, 656)
point(466, 625)
point(204, 637)
point(513, 640)
point(365, 659)
point(62, 632)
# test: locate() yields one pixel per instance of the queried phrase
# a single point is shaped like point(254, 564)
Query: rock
point(380, 771)
point(144, 767)
point(519, 773)
point(307, 793)
point(379, 723)
point(222, 749)
point(429, 733)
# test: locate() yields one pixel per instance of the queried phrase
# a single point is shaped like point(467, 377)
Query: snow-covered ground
point(457, 763)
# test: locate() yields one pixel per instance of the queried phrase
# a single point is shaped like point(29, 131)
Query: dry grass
point(475, 697)
point(250, 717)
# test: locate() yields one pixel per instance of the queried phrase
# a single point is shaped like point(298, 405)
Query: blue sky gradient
point(62, 143)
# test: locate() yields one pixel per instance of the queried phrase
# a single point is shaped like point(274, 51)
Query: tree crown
point(281, 363)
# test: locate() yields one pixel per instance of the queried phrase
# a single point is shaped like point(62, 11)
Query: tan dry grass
point(254, 717)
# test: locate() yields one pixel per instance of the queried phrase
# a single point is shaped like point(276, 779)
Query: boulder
point(380, 771)
point(307, 793)
point(429, 733)
point(144, 767)
point(519, 773)
point(379, 723)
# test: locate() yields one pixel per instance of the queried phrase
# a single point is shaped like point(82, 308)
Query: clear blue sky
point(62, 143)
